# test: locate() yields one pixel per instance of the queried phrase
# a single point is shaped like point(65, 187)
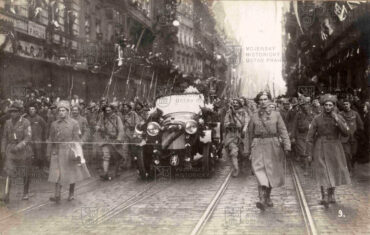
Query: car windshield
point(180, 103)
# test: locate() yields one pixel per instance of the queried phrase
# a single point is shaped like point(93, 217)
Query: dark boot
point(234, 160)
point(71, 192)
point(26, 181)
point(57, 196)
point(324, 198)
point(306, 167)
point(262, 198)
point(331, 196)
point(268, 199)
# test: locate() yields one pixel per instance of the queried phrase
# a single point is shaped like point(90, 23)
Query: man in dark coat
point(38, 126)
point(65, 169)
point(355, 124)
point(300, 126)
point(16, 149)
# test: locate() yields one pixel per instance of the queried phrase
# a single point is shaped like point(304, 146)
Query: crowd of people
point(324, 134)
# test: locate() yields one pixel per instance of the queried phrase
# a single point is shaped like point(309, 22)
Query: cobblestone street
point(351, 213)
point(174, 206)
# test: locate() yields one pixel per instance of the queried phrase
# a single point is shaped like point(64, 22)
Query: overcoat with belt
point(325, 147)
point(17, 162)
point(64, 168)
point(265, 130)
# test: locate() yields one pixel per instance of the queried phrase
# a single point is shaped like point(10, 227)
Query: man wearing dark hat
point(38, 126)
point(65, 169)
point(111, 130)
point(16, 149)
point(236, 123)
point(300, 126)
point(355, 124)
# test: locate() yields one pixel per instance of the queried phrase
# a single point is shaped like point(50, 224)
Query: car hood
point(178, 118)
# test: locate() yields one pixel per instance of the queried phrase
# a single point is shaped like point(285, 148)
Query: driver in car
point(236, 123)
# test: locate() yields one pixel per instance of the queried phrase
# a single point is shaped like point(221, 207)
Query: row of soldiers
point(297, 114)
point(105, 129)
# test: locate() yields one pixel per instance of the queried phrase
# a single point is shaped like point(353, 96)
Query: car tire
point(207, 160)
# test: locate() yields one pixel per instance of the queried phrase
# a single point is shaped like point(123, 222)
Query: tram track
point(46, 203)
point(310, 226)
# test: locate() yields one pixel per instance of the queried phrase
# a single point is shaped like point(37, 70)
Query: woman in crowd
point(264, 148)
point(324, 147)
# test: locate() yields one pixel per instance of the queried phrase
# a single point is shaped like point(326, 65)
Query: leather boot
point(262, 198)
point(331, 196)
point(26, 181)
point(57, 196)
point(71, 192)
point(324, 198)
point(268, 198)
point(234, 160)
point(306, 167)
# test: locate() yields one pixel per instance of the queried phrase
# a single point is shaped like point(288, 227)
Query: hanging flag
point(295, 6)
point(340, 11)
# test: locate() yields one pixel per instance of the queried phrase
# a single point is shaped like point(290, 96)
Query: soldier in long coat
point(300, 126)
point(64, 167)
point(111, 132)
point(16, 149)
point(235, 123)
point(265, 150)
point(325, 148)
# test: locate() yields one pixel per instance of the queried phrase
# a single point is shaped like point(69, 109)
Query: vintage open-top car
point(177, 135)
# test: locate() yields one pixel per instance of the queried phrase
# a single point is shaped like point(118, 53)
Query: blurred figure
point(16, 149)
point(235, 123)
point(38, 127)
point(111, 131)
point(300, 126)
point(355, 124)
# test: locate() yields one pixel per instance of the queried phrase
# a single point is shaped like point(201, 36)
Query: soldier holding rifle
point(236, 122)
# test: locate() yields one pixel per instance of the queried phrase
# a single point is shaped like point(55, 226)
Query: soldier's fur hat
point(328, 98)
point(64, 104)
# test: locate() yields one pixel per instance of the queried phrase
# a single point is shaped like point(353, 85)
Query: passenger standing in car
point(324, 147)
point(236, 122)
point(265, 150)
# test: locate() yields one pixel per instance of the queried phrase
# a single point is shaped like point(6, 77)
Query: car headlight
point(153, 128)
point(191, 127)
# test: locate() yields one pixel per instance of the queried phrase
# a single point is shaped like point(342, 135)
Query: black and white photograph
point(184, 117)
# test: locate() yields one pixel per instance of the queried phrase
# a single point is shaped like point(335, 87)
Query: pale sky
point(257, 24)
